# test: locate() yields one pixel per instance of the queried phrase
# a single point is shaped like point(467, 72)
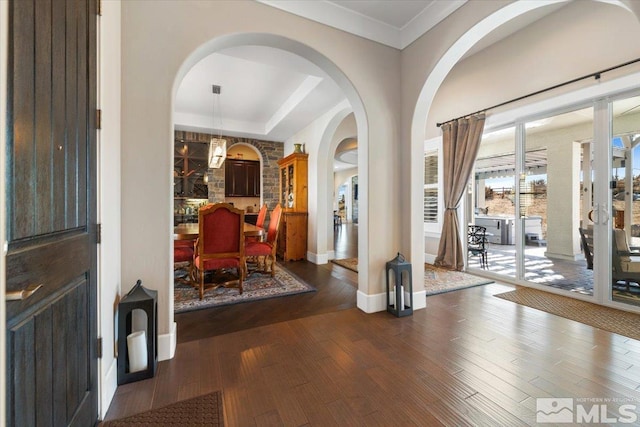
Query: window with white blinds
point(431, 186)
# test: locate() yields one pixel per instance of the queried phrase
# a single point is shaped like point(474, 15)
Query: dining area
point(222, 249)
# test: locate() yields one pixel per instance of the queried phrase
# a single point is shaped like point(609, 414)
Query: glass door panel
point(557, 157)
point(625, 193)
point(493, 191)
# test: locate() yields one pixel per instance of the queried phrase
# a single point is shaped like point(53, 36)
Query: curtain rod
point(595, 75)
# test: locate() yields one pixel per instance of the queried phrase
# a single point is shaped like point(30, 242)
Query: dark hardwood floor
point(345, 240)
point(467, 359)
point(336, 290)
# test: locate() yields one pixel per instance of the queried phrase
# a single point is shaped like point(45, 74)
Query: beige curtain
point(460, 144)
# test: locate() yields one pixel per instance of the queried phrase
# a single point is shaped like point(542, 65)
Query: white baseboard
point(167, 344)
point(419, 300)
point(378, 302)
point(317, 258)
point(331, 255)
point(109, 385)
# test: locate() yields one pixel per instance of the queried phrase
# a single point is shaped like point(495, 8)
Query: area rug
point(348, 263)
point(255, 287)
point(200, 411)
point(605, 318)
point(440, 280)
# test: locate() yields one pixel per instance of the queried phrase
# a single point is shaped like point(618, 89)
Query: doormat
point(202, 411)
point(605, 318)
point(255, 287)
point(348, 263)
point(439, 280)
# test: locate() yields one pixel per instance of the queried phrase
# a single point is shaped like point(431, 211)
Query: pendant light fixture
point(217, 146)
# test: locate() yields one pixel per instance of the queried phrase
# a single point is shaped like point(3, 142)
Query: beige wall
point(109, 189)
point(577, 39)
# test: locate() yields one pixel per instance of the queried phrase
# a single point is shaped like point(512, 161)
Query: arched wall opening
point(261, 156)
point(424, 103)
point(319, 192)
point(327, 148)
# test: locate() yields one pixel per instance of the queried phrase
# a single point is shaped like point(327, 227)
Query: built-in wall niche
point(242, 178)
point(242, 152)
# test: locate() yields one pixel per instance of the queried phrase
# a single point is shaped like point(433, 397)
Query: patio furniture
point(477, 243)
point(626, 260)
point(586, 238)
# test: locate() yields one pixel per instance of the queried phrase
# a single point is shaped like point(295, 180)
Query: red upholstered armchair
point(183, 252)
point(262, 215)
point(220, 245)
point(267, 249)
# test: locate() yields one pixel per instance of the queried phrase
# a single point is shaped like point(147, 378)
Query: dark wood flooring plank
point(467, 359)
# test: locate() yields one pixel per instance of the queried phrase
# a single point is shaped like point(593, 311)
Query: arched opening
point(319, 220)
point(424, 107)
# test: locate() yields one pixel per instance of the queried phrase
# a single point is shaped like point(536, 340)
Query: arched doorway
point(437, 77)
point(319, 194)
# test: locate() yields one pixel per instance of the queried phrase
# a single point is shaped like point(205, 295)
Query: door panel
point(51, 200)
point(625, 198)
point(493, 202)
point(551, 189)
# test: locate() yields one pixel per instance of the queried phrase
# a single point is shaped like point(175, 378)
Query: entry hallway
point(469, 358)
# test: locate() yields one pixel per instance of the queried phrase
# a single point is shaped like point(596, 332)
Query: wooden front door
point(51, 213)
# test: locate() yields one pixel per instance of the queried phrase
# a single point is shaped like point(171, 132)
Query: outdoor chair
point(625, 259)
point(477, 243)
point(586, 237)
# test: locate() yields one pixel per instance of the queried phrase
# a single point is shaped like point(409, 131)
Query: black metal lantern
point(399, 287)
point(137, 350)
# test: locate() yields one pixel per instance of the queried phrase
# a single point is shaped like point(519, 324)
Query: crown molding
point(336, 16)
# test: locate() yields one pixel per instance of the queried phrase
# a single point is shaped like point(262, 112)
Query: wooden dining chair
point(220, 246)
point(267, 249)
point(183, 251)
point(262, 216)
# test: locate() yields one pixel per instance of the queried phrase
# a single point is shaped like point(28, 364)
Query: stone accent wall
point(271, 152)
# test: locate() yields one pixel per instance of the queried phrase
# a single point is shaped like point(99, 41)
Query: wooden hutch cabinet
point(292, 239)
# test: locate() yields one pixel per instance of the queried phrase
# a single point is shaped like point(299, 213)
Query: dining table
point(190, 231)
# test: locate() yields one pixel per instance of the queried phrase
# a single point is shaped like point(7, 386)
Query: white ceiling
point(395, 23)
point(265, 94)
point(271, 94)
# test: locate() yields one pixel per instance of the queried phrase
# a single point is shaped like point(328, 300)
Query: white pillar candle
point(401, 298)
point(137, 349)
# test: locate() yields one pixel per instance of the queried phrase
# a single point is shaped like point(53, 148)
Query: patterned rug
point(200, 411)
point(440, 280)
point(605, 318)
point(255, 287)
point(348, 263)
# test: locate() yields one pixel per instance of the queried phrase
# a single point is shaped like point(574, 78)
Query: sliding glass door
point(558, 196)
point(493, 195)
point(625, 200)
point(556, 160)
